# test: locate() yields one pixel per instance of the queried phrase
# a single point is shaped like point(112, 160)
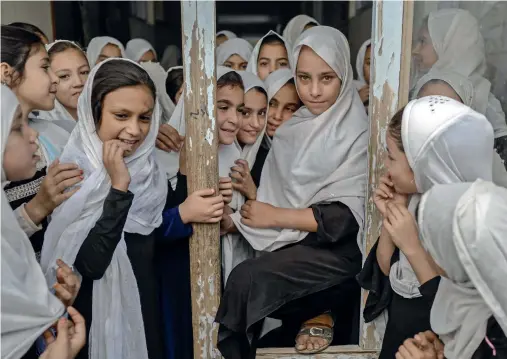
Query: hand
point(257, 214)
point(168, 139)
point(401, 226)
point(243, 181)
point(385, 192)
point(51, 194)
point(68, 284)
point(427, 339)
point(226, 224)
point(202, 207)
point(69, 340)
point(364, 93)
point(225, 188)
point(115, 164)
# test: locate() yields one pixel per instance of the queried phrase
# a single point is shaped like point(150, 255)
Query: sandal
point(317, 328)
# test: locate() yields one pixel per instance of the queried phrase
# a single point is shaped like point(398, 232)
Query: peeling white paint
point(190, 142)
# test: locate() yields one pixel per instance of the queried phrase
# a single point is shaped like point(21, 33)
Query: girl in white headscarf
point(269, 54)
point(103, 47)
point(434, 140)
point(234, 53)
point(451, 40)
point(171, 57)
point(223, 36)
point(28, 307)
point(363, 72)
point(106, 229)
point(283, 102)
point(296, 26)
point(140, 50)
point(308, 215)
point(26, 71)
point(462, 227)
point(70, 65)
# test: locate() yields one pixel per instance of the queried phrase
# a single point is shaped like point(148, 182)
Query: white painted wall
point(37, 13)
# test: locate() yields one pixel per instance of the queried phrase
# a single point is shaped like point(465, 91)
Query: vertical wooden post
point(391, 54)
point(198, 37)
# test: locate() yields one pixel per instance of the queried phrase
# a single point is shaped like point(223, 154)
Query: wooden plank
point(391, 49)
point(337, 352)
point(198, 36)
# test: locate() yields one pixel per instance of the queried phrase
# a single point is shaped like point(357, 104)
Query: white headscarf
point(171, 57)
point(234, 248)
point(28, 307)
point(296, 26)
point(274, 82)
point(460, 47)
point(463, 87)
point(445, 141)
point(59, 115)
point(316, 159)
point(117, 329)
point(252, 62)
point(361, 82)
point(228, 34)
point(231, 47)
point(463, 228)
point(136, 48)
point(97, 44)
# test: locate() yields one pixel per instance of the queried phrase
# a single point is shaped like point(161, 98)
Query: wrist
point(121, 186)
point(276, 217)
point(413, 250)
point(182, 209)
point(36, 211)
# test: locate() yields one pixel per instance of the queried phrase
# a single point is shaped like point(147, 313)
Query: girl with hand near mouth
point(25, 69)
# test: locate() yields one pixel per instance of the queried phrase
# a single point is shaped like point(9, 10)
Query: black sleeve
point(501, 148)
point(430, 288)
point(98, 248)
point(335, 223)
point(377, 283)
point(181, 192)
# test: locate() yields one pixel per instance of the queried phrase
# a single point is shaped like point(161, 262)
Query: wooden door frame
point(391, 48)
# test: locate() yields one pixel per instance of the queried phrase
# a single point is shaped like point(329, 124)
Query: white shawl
point(231, 47)
point(463, 87)
point(296, 26)
point(28, 307)
point(274, 82)
point(117, 328)
point(463, 228)
point(234, 248)
point(361, 82)
point(445, 141)
point(136, 48)
point(97, 44)
point(252, 62)
point(228, 34)
point(316, 159)
point(460, 47)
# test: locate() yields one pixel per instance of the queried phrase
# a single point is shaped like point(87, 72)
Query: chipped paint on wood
point(390, 19)
point(198, 37)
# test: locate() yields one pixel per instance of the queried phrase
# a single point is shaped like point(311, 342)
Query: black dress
point(256, 170)
point(94, 258)
point(295, 284)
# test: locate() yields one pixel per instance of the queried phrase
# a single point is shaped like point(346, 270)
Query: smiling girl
point(308, 214)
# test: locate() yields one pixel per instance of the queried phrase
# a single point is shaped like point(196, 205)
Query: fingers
point(78, 319)
point(204, 192)
point(218, 207)
point(412, 348)
point(236, 176)
point(162, 146)
point(224, 181)
point(243, 164)
point(62, 330)
point(405, 353)
point(62, 186)
point(386, 180)
point(393, 211)
point(239, 169)
point(48, 337)
point(66, 195)
point(383, 192)
point(62, 293)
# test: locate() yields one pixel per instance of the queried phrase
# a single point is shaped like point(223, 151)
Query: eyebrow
point(225, 101)
point(292, 104)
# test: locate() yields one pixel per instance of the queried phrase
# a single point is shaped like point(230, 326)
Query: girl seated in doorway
point(308, 214)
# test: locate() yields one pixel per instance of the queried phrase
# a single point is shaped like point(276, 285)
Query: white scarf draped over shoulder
point(459, 46)
point(445, 142)
point(463, 227)
point(316, 159)
point(117, 329)
point(97, 44)
point(231, 47)
point(136, 48)
point(252, 62)
point(296, 26)
point(28, 307)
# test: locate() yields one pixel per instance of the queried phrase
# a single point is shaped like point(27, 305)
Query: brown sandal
point(317, 327)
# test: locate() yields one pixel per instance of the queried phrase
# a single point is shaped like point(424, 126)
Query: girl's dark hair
point(260, 90)
point(272, 40)
point(16, 47)
point(29, 27)
point(173, 83)
point(394, 128)
point(230, 79)
point(63, 46)
point(115, 74)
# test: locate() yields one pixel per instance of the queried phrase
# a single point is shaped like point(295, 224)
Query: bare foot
point(315, 334)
